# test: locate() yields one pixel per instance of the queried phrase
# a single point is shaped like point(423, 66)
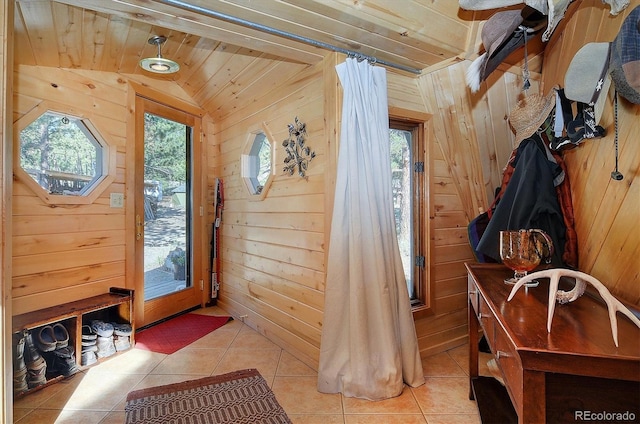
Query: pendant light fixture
point(159, 64)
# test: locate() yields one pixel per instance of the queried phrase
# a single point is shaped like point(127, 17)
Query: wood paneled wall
point(607, 211)
point(63, 253)
point(273, 250)
point(66, 252)
point(472, 141)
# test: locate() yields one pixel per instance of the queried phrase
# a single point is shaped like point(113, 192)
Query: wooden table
point(567, 375)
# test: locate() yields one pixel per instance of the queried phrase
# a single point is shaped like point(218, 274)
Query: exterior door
point(167, 211)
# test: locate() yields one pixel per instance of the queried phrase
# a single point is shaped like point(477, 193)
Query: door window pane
point(167, 206)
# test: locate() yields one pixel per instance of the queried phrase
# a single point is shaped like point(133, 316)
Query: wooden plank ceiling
point(213, 51)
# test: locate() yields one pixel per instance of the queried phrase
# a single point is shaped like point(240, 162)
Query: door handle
point(138, 227)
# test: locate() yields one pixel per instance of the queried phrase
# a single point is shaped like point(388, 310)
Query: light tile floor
point(97, 394)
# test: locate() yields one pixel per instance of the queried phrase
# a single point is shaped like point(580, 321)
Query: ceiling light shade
point(159, 64)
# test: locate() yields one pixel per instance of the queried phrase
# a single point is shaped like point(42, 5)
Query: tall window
point(409, 197)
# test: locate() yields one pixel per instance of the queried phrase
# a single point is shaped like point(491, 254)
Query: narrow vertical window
point(408, 182)
point(401, 159)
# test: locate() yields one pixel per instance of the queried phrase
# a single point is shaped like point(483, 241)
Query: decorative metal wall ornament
point(298, 155)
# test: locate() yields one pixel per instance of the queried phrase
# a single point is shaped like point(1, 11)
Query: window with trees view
point(408, 182)
point(61, 157)
point(61, 153)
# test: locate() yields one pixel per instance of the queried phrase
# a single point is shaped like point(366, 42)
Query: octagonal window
point(257, 164)
point(62, 156)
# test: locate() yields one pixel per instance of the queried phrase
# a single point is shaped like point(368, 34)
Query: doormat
point(176, 333)
point(238, 397)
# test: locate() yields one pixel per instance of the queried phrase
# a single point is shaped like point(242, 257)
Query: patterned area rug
point(239, 397)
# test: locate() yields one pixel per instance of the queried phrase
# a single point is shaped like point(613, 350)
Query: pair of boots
point(62, 361)
point(53, 342)
point(29, 367)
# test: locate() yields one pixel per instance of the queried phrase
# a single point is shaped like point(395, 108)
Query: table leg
point(534, 398)
point(473, 347)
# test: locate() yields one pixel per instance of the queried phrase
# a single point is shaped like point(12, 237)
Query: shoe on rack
point(62, 361)
point(86, 343)
point(121, 343)
point(121, 329)
point(37, 373)
point(20, 381)
point(101, 328)
point(52, 363)
point(46, 339)
point(89, 348)
point(105, 347)
point(19, 366)
point(18, 353)
point(31, 355)
point(36, 365)
point(88, 334)
point(88, 357)
point(66, 361)
point(37, 378)
point(61, 335)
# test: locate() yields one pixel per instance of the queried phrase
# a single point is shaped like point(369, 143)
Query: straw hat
point(530, 113)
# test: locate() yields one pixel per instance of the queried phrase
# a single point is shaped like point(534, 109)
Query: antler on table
point(613, 304)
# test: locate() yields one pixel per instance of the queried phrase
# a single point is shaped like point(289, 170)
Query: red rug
point(174, 334)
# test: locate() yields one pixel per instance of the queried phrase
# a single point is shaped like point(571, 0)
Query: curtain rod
point(274, 31)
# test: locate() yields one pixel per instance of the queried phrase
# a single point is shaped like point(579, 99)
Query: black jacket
point(529, 201)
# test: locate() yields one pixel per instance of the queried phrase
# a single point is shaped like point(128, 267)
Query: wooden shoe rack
point(114, 306)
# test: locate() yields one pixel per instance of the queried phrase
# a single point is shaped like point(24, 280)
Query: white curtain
point(369, 346)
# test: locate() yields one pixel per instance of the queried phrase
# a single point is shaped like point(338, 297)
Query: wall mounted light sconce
point(297, 154)
point(159, 64)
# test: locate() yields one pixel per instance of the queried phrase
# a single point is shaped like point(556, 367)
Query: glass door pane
point(401, 181)
point(167, 206)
